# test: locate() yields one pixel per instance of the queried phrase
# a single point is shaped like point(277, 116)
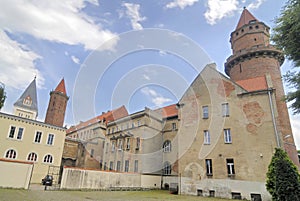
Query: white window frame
point(225, 110)
point(206, 136)
point(18, 134)
point(40, 138)
point(167, 168)
point(205, 112)
point(208, 164)
point(10, 130)
point(32, 156)
point(136, 166)
point(227, 136)
point(230, 166)
point(48, 158)
point(126, 169)
point(128, 144)
point(167, 146)
point(10, 154)
point(50, 140)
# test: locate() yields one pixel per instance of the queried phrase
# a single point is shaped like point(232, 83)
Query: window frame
point(227, 136)
point(126, 168)
point(36, 138)
point(10, 134)
point(48, 158)
point(50, 140)
point(230, 166)
point(32, 156)
point(136, 165)
point(206, 137)
point(225, 110)
point(11, 154)
point(205, 112)
point(167, 146)
point(167, 169)
point(20, 135)
point(209, 167)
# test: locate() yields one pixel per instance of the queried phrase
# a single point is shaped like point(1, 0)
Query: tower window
point(254, 39)
point(242, 30)
point(250, 27)
point(256, 27)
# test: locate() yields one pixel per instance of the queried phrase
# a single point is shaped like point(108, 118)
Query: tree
point(2, 95)
point(286, 36)
point(283, 178)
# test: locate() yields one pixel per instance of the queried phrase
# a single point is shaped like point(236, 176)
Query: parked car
point(47, 180)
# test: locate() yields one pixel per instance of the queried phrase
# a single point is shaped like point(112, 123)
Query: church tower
point(26, 106)
point(57, 105)
point(253, 56)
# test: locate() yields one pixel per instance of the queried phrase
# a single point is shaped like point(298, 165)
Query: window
point(12, 154)
point(126, 166)
point(227, 136)
point(48, 159)
point(113, 130)
point(92, 153)
point(128, 144)
point(230, 166)
point(50, 139)
point(199, 192)
point(118, 166)
point(139, 123)
point(20, 133)
point(167, 146)
point(208, 163)
point(111, 165)
point(137, 143)
point(38, 137)
point(132, 125)
point(211, 193)
point(104, 165)
point(32, 157)
point(173, 126)
point(205, 112)
point(120, 147)
point(236, 195)
point(113, 146)
point(12, 132)
point(167, 168)
point(206, 137)
point(225, 110)
point(136, 166)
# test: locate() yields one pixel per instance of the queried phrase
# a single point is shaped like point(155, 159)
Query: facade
point(24, 139)
point(218, 140)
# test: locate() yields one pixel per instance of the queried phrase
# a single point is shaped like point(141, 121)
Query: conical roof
point(28, 99)
point(61, 87)
point(245, 18)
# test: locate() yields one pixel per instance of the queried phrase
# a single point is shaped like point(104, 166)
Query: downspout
point(273, 118)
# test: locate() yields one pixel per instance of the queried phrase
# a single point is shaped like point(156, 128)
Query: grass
point(33, 195)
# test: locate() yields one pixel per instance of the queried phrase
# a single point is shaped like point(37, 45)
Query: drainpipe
point(273, 118)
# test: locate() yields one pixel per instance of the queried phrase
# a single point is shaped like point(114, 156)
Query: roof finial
point(244, 7)
point(35, 77)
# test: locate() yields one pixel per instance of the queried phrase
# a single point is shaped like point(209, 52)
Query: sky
point(136, 53)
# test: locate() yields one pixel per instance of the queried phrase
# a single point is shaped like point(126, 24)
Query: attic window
point(252, 21)
point(27, 101)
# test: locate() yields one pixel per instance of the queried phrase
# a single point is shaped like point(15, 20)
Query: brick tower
point(253, 56)
point(57, 105)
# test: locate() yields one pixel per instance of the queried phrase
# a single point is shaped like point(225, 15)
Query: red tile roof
point(168, 111)
point(107, 117)
point(253, 84)
point(245, 18)
point(61, 87)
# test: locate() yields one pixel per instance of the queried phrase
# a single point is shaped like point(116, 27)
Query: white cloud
point(155, 97)
point(255, 5)
point(133, 13)
point(220, 9)
point(217, 10)
point(75, 59)
point(54, 20)
point(181, 3)
point(17, 64)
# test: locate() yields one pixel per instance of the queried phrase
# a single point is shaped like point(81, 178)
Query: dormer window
point(252, 22)
point(27, 101)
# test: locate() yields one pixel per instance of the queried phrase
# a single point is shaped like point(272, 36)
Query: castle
point(218, 140)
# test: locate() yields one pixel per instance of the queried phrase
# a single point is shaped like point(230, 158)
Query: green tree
point(2, 95)
point(283, 179)
point(286, 36)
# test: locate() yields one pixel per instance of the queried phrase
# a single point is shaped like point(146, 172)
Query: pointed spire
point(245, 18)
point(61, 87)
point(28, 99)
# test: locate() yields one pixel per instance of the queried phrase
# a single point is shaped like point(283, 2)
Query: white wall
point(15, 174)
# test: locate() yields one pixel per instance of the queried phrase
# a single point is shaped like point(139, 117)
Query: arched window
point(48, 159)
point(167, 146)
point(32, 157)
point(11, 154)
point(167, 168)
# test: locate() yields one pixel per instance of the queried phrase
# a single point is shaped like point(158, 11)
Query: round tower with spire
point(57, 105)
point(253, 56)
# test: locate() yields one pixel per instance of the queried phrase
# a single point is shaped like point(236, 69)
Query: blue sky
point(81, 41)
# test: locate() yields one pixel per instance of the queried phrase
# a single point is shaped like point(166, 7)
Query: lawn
point(36, 195)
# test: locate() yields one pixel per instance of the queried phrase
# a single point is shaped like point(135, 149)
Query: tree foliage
point(2, 95)
point(286, 36)
point(283, 179)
